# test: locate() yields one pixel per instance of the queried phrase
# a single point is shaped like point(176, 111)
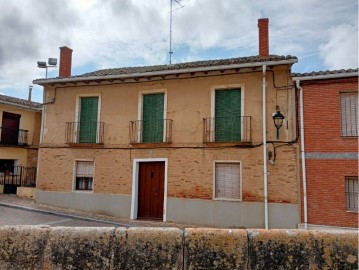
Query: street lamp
point(278, 120)
point(52, 62)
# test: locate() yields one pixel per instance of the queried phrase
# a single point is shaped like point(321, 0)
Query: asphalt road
point(16, 216)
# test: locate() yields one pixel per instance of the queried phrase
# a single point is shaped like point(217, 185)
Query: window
point(152, 117)
point(227, 181)
point(349, 114)
point(84, 175)
point(351, 190)
point(228, 115)
point(88, 119)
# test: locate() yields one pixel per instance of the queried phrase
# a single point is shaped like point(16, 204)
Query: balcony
point(13, 137)
point(154, 131)
point(236, 129)
point(84, 132)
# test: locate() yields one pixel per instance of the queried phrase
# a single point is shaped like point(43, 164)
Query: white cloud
point(117, 33)
point(341, 50)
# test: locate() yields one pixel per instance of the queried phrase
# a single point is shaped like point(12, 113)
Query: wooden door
point(10, 128)
point(151, 190)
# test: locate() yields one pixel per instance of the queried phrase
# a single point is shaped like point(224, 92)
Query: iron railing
point(18, 176)
point(153, 131)
point(84, 132)
point(11, 136)
point(227, 129)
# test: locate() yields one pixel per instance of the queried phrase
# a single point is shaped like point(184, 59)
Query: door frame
point(135, 183)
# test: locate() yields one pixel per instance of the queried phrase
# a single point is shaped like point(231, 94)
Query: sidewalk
point(30, 205)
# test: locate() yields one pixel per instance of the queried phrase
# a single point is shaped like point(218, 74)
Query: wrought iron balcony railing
point(154, 131)
point(227, 129)
point(84, 132)
point(16, 137)
point(18, 176)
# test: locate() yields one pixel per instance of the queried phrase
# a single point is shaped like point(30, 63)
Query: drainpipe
point(302, 150)
point(265, 172)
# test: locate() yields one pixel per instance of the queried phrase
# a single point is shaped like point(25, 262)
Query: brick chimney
point(263, 38)
point(65, 62)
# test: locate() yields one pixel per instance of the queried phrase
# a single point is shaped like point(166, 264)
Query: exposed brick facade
point(326, 174)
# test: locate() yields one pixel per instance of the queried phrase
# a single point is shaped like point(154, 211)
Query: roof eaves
point(290, 61)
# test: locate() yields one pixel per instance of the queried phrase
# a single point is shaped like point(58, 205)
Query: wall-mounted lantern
point(278, 120)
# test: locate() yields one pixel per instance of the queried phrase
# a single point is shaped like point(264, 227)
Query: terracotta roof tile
point(326, 72)
point(18, 101)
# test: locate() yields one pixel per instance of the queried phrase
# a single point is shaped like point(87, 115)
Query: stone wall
point(42, 247)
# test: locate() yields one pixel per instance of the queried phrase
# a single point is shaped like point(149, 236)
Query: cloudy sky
point(119, 33)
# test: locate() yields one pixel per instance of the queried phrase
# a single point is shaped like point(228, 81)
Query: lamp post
point(52, 62)
point(278, 120)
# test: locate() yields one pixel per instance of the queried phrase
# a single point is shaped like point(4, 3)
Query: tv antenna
point(171, 10)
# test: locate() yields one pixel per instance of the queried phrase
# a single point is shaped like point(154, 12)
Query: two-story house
point(191, 142)
point(329, 148)
point(20, 123)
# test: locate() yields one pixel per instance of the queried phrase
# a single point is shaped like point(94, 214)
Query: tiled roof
point(20, 102)
point(181, 66)
point(327, 72)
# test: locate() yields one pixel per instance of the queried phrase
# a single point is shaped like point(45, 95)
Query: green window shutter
point(88, 119)
point(228, 115)
point(152, 129)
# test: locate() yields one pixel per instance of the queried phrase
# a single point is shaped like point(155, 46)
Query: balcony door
point(228, 115)
point(152, 117)
point(10, 128)
point(88, 119)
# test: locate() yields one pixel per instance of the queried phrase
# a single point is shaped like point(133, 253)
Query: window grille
point(227, 181)
point(349, 114)
point(351, 189)
point(84, 175)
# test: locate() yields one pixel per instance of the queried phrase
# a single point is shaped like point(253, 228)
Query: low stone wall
point(25, 192)
point(43, 247)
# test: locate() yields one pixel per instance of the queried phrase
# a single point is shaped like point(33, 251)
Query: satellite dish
point(52, 61)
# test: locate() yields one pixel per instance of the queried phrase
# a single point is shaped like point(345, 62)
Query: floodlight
point(52, 61)
point(41, 64)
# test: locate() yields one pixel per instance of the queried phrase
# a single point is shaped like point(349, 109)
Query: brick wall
point(325, 176)
point(190, 171)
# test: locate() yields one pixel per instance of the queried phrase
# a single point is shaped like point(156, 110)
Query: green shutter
point(228, 115)
point(153, 106)
point(88, 120)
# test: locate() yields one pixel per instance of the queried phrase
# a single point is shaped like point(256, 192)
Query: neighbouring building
point(20, 124)
point(191, 142)
point(330, 149)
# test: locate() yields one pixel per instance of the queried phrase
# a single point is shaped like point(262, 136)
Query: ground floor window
point(228, 180)
point(84, 175)
point(351, 189)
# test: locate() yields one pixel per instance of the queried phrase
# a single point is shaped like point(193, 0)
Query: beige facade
point(30, 121)
point(189, 193)
point(20, 125)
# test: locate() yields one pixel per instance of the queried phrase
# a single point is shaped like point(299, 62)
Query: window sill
point(152, 144)
point(83, 191)
point(353, 211)
point(227, 199)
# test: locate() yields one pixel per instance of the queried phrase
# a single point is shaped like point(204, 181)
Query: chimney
point(263, 38)
point(65, 62)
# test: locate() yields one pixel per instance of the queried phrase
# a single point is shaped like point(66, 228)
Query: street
point(16, 216)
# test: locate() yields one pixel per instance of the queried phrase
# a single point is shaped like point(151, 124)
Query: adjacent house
point(20, 124)
point(329, 147)
point(191, 142)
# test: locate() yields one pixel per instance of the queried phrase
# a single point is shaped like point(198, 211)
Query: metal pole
point(170, 32)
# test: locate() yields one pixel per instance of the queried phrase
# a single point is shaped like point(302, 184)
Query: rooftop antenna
point(171, 10)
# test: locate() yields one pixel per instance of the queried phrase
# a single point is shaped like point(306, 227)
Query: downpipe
point(265, 171)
